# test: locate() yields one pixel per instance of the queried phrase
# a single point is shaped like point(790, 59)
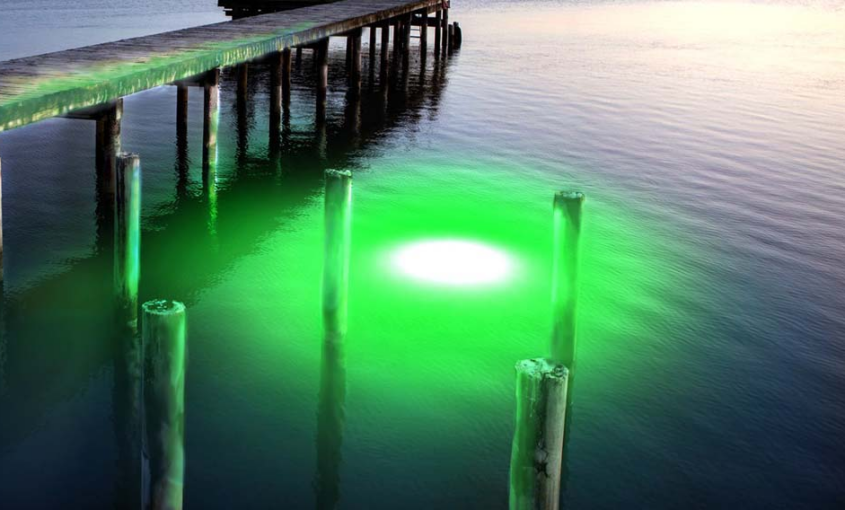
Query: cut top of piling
point(566, 197)
point(542, 368)
point(163, 307)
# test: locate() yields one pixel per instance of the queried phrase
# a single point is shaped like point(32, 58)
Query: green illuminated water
point(709, 327)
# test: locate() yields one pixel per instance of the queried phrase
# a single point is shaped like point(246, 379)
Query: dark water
point(708, 138)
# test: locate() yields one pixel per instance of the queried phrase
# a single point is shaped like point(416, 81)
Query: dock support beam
point(338, 229)
point(372, 48)
point(127, 238)
point(355, 62)
point(163, 334)
point(438, 31)
point(276, 97)
point(385, 49)
point(445, 31)
point(108, 145)
point(243, 82)
point(181, 115)
point(537, 451)
point(286, 68)
point(567, 234)
point(406, 37)
point(424, 32)
point(211, 119)
point(397, 42)
point(322, 51)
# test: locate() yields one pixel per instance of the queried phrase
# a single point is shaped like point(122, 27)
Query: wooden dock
point(45, 86)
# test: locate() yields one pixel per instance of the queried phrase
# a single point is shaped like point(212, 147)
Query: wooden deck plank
point(44, 86)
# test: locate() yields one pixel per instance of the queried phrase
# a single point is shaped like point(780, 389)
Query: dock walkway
point(44, 86)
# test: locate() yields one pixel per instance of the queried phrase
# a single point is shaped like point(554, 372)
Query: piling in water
point(566, 246)
point(355, 67)
point(108, 145)
point(181, 115)
point(424, 32)
point(438, 30)
point(211, 119)
point(322, 53)
point(127, 236)
point(164, 341)
point(338, 230)
point(537, 451)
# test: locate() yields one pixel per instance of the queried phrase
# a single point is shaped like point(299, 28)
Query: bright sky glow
point(453, 262)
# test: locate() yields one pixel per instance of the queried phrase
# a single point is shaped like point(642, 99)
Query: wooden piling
point(451, 31)
point(322, 78)
point(397, 42)
point(567, 234)
point(211, 119)
point(128, 358)
point(127, 237)
point(181, 114)
point(164, 342)
point(385, 47)
point(108, 145)
point(277, 66)
point(458, 35)
point(338, 229)
point(298, 57)
point(286, 74)
point(372, 47)
point(424, 32)
point(355, 68)
point(407, 23)
point(243, 82)
point(438, 30)
point(445, 34)
point(537, 451)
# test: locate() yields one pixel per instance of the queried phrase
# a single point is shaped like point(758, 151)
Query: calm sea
point(709, 138)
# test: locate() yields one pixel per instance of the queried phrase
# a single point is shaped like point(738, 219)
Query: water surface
point(708, 138)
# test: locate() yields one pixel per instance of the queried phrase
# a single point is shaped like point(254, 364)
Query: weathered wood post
point(438, 30)
point(211, 120)
point(451, 31)
point(397, 42)
point(458, 35)
point(108, 144)
point(372, 48)
point(445, 30)
point(355, 68)
point(567, 234)
point(322, 51)
point(243, 81)
point(424, 32)
point(332, 398)
point(385, 48)
point(128, 371)
point(165, 352)
point(407, 23)
point(537, 452)
point(276, 100)
point(338, 229)
point(298, 57)
point(127, 237)
point(181, 114)
point(286, 68)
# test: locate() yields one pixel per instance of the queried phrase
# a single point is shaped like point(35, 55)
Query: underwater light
point(453, 262)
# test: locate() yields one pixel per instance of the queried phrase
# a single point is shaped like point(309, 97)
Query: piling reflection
point(181, 258)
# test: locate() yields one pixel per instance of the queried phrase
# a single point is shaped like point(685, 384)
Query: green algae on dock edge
point(98, 84)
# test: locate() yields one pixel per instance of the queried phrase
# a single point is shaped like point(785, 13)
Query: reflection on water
point(709, 139)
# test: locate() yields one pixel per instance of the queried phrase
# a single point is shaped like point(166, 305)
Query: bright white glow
point(453, 262)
